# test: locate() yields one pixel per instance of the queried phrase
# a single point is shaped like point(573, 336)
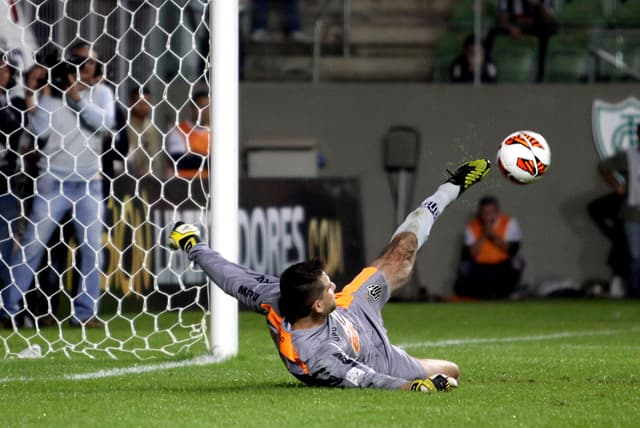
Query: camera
point(60, 73)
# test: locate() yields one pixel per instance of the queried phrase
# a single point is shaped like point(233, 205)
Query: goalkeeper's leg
point(433, 367)
point(420, 221)
point(398, 258)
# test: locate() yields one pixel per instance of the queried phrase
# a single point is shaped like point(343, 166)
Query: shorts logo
point(375, 291)
point(354, 376)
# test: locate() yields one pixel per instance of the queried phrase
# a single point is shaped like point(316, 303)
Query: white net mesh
point(119, 102)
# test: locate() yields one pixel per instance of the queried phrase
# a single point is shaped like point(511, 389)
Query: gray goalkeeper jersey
point(351, 349)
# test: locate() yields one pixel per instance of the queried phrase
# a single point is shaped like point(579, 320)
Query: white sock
point(420, 221)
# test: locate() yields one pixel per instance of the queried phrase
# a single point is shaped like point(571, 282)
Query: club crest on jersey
point(375, 291)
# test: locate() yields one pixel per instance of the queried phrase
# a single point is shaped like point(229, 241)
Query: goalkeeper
point(338, 339)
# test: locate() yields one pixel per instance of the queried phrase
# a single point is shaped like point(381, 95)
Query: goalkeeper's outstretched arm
point(251, 288)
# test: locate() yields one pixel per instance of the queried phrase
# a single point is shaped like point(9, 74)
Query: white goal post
point(224, 180)
point(151, 301)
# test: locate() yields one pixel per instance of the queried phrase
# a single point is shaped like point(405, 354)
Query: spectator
point(529, 17)
point(188, 143)
point(290, 21)
point(69, 120)
point(145, 144)
point(12, 121)
point(463, 67)
point(113, 145)
point(625, 164)
point(605, 213)
point(115, 139)
point(490, 267)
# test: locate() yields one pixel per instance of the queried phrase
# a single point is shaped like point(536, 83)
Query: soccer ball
point(524, 156)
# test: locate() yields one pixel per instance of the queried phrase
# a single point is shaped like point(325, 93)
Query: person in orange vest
point(490, 267)
point(188, 143)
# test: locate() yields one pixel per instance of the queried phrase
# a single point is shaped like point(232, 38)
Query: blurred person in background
point(188, 143)
point(490, 267)
point(145, 144)
point(69, 121)
point(620, 172)
point(605, 213)
point(525, 17)
point(462, 68)
point(91, 73)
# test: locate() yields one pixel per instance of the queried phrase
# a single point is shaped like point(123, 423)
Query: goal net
point(112, 143)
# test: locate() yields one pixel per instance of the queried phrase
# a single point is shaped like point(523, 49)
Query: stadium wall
point(456, 123)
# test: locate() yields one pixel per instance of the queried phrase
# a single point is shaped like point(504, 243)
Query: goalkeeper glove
point(184, 236)
point(433, 384)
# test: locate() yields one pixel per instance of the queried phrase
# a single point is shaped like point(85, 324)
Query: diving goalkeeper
point(338, 339)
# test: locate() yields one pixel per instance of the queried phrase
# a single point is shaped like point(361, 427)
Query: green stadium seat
point(568, 57)
point(626, 14)
point(449, 46)
point(582, 13)
point(517, 66)
point(515, 58)
point(568, 66)
point(506, 42)
point(451, 41)
point(462, 15)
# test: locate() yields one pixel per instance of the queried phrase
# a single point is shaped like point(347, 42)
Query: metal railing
point(613, 54)
point(318, 33)
point(615, 61)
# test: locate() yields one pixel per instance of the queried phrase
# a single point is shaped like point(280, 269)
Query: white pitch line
point(551, 336)
point(198, 361)
point(137, 369)
point(205, 360)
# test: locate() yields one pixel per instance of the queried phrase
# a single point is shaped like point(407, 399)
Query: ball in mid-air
point(524, 156)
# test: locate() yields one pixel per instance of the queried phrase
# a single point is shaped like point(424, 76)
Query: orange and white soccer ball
point(524, 156)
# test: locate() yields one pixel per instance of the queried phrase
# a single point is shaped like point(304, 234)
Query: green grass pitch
point(534, 364)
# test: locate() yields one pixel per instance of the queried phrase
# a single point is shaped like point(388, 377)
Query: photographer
point(69, 120)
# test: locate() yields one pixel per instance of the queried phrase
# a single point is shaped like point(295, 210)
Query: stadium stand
point(581, 13)
point(626, 14)
point(567, 58)
point(416, 40)
point(598, 41)
point(388, 41)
